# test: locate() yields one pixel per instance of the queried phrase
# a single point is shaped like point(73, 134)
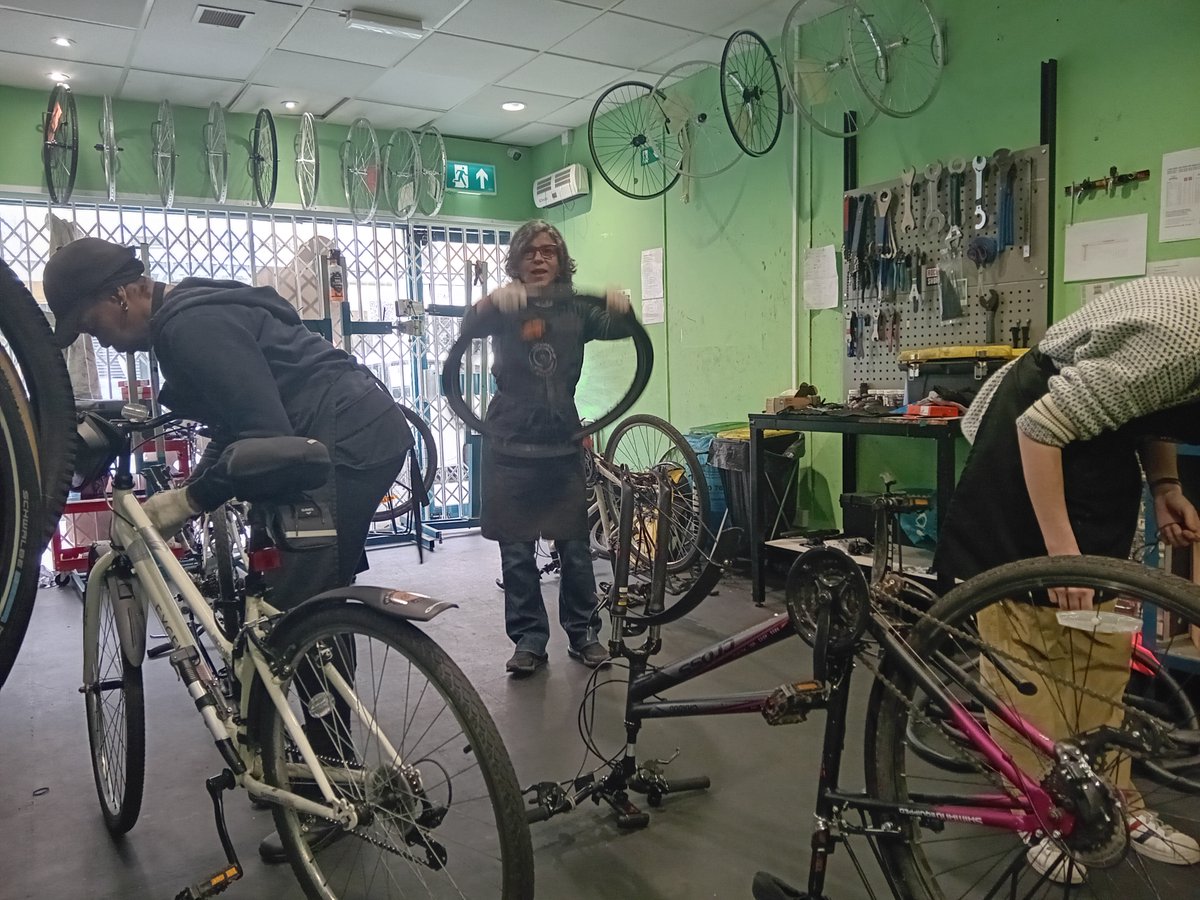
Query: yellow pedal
point(791, 703)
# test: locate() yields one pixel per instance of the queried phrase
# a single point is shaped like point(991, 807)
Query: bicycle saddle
point(263, 469)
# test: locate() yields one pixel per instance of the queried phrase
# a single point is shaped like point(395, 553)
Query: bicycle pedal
point(212, 885)
point(160, 651)
point(791, 703)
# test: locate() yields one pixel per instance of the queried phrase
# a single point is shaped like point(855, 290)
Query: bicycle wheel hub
point(1099, 836)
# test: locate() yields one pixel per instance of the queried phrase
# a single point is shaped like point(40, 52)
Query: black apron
point(527, 499)
point(991, 520)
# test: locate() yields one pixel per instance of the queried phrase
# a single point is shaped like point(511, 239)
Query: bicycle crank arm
point(215, 884)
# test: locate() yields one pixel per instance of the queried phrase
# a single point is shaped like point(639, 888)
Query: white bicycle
point(385, 772)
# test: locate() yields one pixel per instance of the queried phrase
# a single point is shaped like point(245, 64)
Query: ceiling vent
point(220, 17)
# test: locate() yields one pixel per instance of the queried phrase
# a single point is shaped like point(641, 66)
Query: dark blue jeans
point(525, 617)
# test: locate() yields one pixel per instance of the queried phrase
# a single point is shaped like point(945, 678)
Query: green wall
point(21, 164)
point(1127, 78)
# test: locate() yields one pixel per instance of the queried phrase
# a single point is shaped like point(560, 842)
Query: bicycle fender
point(129, 612)
point(390, 601)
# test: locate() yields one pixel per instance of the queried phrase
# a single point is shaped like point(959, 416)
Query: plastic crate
point(83, 523)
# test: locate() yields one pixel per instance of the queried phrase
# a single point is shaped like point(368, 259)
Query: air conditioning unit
point(561, 186)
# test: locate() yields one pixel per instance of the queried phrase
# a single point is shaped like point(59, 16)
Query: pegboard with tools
point(947, 254)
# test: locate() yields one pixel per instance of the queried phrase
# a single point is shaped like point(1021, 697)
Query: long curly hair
point(521, 242)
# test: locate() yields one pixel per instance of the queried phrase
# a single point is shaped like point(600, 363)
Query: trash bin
point(700, 440)
point(730, 453)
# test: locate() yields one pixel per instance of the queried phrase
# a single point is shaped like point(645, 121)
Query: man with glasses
point(537, 362)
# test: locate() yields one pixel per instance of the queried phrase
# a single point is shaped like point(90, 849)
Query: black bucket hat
point(81, 273)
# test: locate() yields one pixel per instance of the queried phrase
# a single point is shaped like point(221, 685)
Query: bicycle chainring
point(826, 580)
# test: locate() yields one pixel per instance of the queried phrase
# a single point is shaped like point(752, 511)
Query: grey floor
point(757, 814)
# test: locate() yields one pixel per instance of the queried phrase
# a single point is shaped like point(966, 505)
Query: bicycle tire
point(60, 144)
point(688, 522)
point(393, 650)
point(399, 501)
point(116, 729)
point(631, 152)
point(888, 772)
point(20, 509)
point(227, 604)
point(47, 385)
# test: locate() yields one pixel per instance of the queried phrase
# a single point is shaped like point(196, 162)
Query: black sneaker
point(523, 663)
point(592, 655)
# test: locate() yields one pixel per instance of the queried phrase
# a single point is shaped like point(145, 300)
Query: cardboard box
point(779, 404)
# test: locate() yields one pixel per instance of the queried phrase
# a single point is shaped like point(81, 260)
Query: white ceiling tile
point(444, 54)
point(707, 17)
point(573, 77)
point(707, 49)
point(383, 116)
point(420, 90)
point(623, 40)
point(323, 33)
point(172, 42)
point(181, 90)
point(257, 96)
point(537, 24)
point(23, 32)
point(767, 20)
point(532, 134)
point(124, 13)
point(430, 12)
point(283, 68)
point(480, 127)
point(19, 70)
point(573, 114)
point(487, 103)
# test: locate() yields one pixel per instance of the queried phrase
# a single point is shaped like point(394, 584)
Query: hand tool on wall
point(979, 163)
point(949, 297)
point(1025, 332)
point(954, 233)
point(934, 220)
point(1006, 224)
point(852, 335)
point(991, 303)
point(1114, 180)
point(907, 223)
point(1026, 249)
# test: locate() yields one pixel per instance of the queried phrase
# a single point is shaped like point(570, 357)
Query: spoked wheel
point(162, 152)
point(690, 99)
point(308, 161)
point(360, 170)
point(60, 144)
point(216, 152)
point(431, 151)
point(264, 158)
point(399, 500)
point(987, 640)
point(751, 93)
point(109, 158)
point(439, 810)
point(225, 565)
point(896, 52)
point(630, 143)
point(817, 70)
point(646, 443)
point(116, 715)
point(401, 173)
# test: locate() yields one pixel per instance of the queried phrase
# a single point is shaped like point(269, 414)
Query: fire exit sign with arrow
point(470, 178)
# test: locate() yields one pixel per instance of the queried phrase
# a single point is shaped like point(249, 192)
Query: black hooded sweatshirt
point(238, 359)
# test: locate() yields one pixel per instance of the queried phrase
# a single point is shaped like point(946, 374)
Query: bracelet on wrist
point(1168, 479)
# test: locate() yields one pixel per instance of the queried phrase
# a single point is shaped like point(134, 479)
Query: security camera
point(515, 153)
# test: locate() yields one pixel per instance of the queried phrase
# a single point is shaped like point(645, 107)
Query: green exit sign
point(470, 178)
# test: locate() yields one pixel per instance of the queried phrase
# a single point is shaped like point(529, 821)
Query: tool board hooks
point(1021, 280)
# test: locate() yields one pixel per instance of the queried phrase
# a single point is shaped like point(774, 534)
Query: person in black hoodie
point(238, 359)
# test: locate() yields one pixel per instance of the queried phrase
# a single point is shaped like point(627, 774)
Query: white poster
point(820, 277)
point(652, 274)
point(1106, 248)
point(1179, 212)
point(654, 311)
point(1186, 267)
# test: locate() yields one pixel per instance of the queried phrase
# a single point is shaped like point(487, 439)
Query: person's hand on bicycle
point(1178, 521)
point(168, 510)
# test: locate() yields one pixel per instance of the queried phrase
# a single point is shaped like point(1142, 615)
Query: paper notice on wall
point(820, 277)
point(652, 274)
point(654, 311)
point(1186, 267)
point(1179, 212)
point(1094, 289)
point(1106, 248)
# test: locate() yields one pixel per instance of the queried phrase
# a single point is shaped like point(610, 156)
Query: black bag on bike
point(299, 524)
